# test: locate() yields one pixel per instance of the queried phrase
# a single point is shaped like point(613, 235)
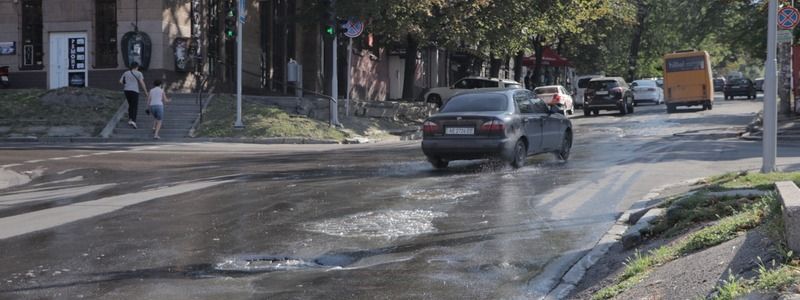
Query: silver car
point(647, 90)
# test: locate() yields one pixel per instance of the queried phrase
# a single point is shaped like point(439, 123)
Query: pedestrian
point(133, 80)
point(528, 80)
point(155, 103)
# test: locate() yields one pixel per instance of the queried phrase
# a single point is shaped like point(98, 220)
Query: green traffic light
point(329, 30)
point(230, 33)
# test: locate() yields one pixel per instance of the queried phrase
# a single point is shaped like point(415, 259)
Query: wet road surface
point(208, 221)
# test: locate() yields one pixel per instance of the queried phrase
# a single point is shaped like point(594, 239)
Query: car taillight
point(617, 90)
point(557, 98)
point(430, 127)
point(494, 126)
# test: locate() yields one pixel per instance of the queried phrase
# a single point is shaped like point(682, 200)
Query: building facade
point(189, 45)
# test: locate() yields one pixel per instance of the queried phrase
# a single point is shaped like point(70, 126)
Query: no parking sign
point(788, 17)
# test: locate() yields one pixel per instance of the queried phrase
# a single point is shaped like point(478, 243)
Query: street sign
point(785, 36)
point(242, 11)
point(353, 27)
point(788, 17)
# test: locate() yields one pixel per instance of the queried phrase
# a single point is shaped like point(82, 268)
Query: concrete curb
point(112, 124)
point(575, 274)
point(193, 130)
point(264, 141)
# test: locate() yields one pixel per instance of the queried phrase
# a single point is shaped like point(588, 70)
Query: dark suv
point(608, 93)
point(740, 87)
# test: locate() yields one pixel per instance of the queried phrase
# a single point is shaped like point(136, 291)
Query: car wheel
point(435, 99)
point(710, 105)
point(670, 108)
point(630, 108)
point(586, 112)
point(623, 109)
point(566, 147)
point(438, 163)
point(520, 155)
point(596, 112)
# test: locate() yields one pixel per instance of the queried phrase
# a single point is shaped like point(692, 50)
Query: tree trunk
point(494, 69)
point(518, 66)
point(410, 74)
point(636, 41)
point(538, 46)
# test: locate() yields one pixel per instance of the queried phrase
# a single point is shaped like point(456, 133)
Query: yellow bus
point(688, 80)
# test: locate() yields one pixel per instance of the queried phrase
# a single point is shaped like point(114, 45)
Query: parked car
point(740, 87)
point(759, 84)
point(507, 124)
point(608, 93)
point(441, 95)
point(556, 95)
point(580, 91)
point(719, 84)
point(647, 90)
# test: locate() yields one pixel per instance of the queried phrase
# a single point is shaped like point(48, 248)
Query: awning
point(549, 58)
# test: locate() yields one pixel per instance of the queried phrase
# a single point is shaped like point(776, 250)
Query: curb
point(575, 274)
point(264, 141)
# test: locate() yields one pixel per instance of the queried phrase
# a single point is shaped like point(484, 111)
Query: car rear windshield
point(513, 86)
point(646, 83)
point(737, 81)
point(686, 64)
point(584, 83)
point(603, 85)
point(477, 103)
point(546, 90)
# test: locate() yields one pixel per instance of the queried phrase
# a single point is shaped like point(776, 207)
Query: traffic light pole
point(239, 29)
point(770, 136)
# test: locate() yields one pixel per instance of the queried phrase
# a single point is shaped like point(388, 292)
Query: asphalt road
point(210, 221)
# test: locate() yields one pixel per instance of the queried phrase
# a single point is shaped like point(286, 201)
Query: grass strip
point(726, 229)
point(261, 121)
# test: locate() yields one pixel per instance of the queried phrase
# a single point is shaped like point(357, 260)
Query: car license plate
point(602, 92)
point(460, 130)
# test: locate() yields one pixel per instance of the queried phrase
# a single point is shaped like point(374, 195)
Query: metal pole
point(770, 138)
point(349, 77)
point(334, 83)
point(239, 28)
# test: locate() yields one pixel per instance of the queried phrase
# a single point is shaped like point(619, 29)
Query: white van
point(582, 83)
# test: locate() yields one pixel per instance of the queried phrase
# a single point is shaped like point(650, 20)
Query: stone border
point(112, 124)
point(265, 141)
point(577, 271)
point(789, 195)
point(192, 131)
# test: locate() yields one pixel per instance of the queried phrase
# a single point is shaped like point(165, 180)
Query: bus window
point(682, 64)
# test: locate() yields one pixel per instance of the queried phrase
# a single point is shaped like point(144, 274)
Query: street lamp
point(770, 136)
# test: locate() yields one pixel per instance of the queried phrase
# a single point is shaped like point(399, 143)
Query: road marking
point(52, 194)
point(58, 158)
point(100, 153)
point(57, 216)
point(10, 166)
point(80, 156)
point(36, 161)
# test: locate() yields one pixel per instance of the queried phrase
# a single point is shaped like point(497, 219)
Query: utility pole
point(239, 28)
point(331, 31)
point(770, 137)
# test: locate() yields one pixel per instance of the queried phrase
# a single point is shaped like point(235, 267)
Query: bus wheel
point(670, 108)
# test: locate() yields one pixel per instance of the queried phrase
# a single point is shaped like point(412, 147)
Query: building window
point(105, 33)
point(32, 52)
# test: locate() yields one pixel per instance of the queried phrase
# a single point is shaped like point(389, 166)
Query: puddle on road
point(262, 264)
point(438, 194)
point(381, 224)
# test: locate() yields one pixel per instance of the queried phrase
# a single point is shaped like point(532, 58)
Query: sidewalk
point(788, 129)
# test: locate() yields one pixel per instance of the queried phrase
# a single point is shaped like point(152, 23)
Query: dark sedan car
point(740, 87)
point(608, 93)
point(509, 124)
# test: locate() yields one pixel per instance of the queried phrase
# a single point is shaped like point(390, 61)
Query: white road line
point(58, 158)
point(100, 153)
point(10, 166)
point(57, 216)
point(36, 161)
point(80, 156)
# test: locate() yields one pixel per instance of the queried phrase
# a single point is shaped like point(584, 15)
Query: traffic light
point(230, 19)
point(329, 22)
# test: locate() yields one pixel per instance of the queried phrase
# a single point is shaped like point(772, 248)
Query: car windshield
point(603, 84)
point(546, 90)
point(645, 83)
point(737, 81)
point(513, 85)
point(477, 103)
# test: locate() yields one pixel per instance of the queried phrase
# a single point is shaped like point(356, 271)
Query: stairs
point(179, 116)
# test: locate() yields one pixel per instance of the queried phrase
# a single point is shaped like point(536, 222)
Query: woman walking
point(155, 102)
point(133, 80)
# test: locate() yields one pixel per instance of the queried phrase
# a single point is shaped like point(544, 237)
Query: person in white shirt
point(133, 80)
point(155, 101)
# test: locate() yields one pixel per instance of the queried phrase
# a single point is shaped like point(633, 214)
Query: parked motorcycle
point(4, 82)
